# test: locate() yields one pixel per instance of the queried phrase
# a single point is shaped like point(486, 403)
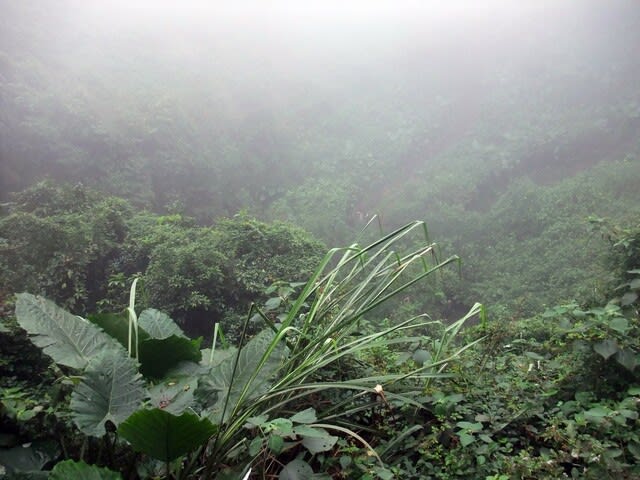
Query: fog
point(230, 105)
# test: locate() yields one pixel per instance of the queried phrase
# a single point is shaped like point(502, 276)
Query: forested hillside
point(195, 162)
point(491, 145)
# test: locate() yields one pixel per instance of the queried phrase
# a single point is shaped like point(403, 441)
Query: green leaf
point(164, 436)
point(611, 453)
point(634, 449)
point(619, 324)
point(597, 412)
point(472, 427)
point(272, 303)
point(306, 431)
point(283, 426)
point(70, 470)
point(485, 438)
point(305, 416)
point(383, 473)
point(116, 325)
point(626, 413)
point(31, 457)
point(534, 356)
point(243, 387)
point(276, 442)
point(296, 470)
point(627, 358)
point(257, 421)
point(68, 339)
point(255, 446)
point(110, 390)
point(174, 395)
point(466, 439)
point(606, 348)
point(319, 444)
point(157, 356)
point(158, 324)
point(345, 461)
point(628, 298)
point(421, 356)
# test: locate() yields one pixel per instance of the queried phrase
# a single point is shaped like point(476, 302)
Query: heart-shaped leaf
point(164, 436)
point(296, 470)
point(111, 389)
point(606, 348)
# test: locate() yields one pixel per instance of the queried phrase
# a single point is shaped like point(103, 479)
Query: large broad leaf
point(70, 470)
point(174, 395)
point(158, 324)
point(158, 349)
point(157, 356)
point(164, 436)
point(116, 325)
point(111, 389)
point(28, 457)
point(68, 339)
point(248, 380)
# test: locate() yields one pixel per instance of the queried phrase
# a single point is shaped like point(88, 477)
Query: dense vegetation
point(167, 206)
point(321, 383)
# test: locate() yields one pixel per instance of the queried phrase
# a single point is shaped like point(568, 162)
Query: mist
point(416, 222)
point(325, 114)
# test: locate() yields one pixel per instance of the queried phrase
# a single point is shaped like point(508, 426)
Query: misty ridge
point(302, 239)
point(323, 114)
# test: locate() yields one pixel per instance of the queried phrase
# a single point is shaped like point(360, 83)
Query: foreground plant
point(254, 405)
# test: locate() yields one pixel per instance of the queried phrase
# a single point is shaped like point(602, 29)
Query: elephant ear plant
point(243, 407)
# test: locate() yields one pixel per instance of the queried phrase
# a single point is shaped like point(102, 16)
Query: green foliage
point(28, 459)
point(319, 333)
point(186, 273)
point(157, 356)
point(158, 324)
point(551, 396)
point(80, 249)
point(68, 339)
point(110, 391)
point(61, 241)
point(242, 403)
point(165, 436)
point(70, 470)
point(236, 377)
